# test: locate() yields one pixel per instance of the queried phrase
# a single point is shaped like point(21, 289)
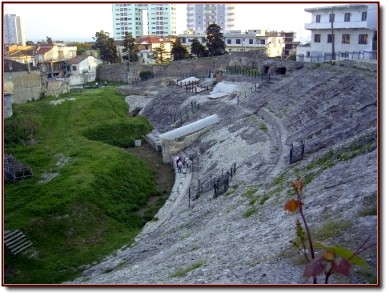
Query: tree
point(82, 47)
point(178, 52)
point(106, 46)
point(215, 41)
point(130, 49)
point(160, 53)
point(198, 49)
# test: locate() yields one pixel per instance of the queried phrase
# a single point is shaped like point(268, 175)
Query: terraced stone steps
point(16, 241)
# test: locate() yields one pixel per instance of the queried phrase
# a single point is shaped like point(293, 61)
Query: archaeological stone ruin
point(284, 121)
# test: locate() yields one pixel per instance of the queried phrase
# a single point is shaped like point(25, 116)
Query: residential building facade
point(341, 32)
point(51, 58)
point(200, 16)
point(14, 31)
point(82, 69)
point(272, 43)
point(147, 45)
point(22, 54)
point(143, 19)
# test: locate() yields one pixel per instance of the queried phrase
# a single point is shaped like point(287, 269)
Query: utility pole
point(332, 33)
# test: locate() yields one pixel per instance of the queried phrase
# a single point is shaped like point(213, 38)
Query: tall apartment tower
point(200, 16)
point(14, 31)
point(143, 19)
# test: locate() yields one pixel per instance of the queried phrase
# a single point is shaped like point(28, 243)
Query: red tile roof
point(42, 49)
point(150, 40)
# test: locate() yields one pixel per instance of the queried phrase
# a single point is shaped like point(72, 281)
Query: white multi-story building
point(345, 31)
point(272, 43)
point(14, 31)
point(143, 19)
point(200, 16)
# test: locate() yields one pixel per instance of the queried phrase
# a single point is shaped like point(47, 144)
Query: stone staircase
point(16, 242)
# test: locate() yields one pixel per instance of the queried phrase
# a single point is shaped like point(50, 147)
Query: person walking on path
point(189, 165)
point(179, 166)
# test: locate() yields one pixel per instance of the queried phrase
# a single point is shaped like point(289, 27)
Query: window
point(332, 17)
point(347, 17)
point(263, 41)
point(362, 39)
point(237, 41)
point(318, 18)
point(329, 38)
point(346, 38)
point(228, 41)
point(251, 41)
point(316, 38)
point(74, 68)
point(364, 16)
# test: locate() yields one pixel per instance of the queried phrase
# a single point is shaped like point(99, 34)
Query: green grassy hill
point(87, 193)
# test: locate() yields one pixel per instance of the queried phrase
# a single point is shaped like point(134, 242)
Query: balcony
point(337, 25)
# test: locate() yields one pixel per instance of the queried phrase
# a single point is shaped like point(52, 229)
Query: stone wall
point(8, 100)
point(195, 66)
point(27, 86)
point(113, 72)
point(171, 148)
point(56, 87)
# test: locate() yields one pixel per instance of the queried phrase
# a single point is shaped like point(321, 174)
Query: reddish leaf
point(292, 205)
point(342, 267)
point(315, 267)
point(298, 186)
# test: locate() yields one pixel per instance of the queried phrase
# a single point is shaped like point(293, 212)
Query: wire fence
point(218, 184)
point(183, 114)
point(296, 152)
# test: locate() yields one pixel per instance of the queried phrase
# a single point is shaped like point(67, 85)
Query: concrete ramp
point(222, 89)
point(190, 128)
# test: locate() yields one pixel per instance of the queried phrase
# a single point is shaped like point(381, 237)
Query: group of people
point(183, 165)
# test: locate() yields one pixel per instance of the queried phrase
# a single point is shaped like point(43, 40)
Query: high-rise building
point(14, 32)
point(200, 16)
point(143, 19)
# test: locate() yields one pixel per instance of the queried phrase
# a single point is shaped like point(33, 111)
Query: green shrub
point(146, 75)
point(18, 130)
point(183, 271)
point(120, 134)
point(250, 211)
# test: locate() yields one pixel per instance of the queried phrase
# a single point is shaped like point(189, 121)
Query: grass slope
point(93, 204)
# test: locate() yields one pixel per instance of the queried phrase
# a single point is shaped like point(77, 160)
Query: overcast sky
point(80, 22)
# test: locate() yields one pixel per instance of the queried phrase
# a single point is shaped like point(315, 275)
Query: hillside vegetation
point(88, 196)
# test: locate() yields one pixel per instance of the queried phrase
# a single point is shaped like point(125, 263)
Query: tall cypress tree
point(179, 52)
point(130, 48)
point(198, 49)
point(215, 42)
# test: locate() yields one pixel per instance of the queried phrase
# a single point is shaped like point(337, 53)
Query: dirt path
point(164, 172)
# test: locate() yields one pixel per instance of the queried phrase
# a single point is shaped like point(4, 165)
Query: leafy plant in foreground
point(332, 259)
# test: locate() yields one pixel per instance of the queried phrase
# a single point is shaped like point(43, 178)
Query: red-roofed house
point(148, 44)
point(51, 58)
